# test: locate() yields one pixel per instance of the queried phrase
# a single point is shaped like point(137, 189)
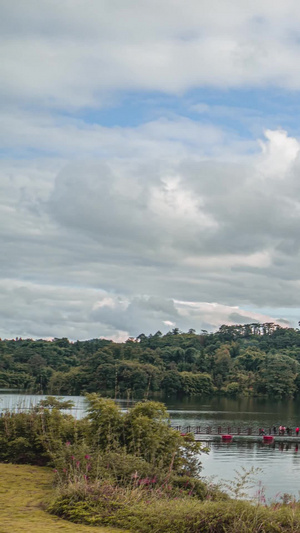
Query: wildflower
point(73, 457)
point(68, 443)
point(78, 464)
point(54, 470)
point(144, 481)
point(87, 456)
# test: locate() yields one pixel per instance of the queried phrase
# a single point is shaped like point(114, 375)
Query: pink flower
point(68, 443)
point(144, 481)
point(54, 470)
point(78, 464)
point(87, 456)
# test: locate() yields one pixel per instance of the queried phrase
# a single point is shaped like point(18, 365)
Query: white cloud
point(73, 139)
point(76, 54)
point(257, 260)
point(116, 247)
point(216, 314)
point(279, 153)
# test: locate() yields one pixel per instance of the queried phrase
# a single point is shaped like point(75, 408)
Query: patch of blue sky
point(246, 111)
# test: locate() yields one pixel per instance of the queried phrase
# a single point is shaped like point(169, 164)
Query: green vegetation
point(114, 469)
point(251, 359)
point(111, 441)
point(27, 490)
point(183, 515)
point(24, 494)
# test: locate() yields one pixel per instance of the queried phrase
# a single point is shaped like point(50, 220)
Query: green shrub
point(37, 436)
point(186, 515)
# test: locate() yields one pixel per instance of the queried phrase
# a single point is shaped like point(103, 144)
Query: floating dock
point(247, 438)
point(239, 434)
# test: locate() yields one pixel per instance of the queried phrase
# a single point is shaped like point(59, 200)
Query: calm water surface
point(279, 464)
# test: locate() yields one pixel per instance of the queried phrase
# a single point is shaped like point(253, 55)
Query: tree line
point(249, 359)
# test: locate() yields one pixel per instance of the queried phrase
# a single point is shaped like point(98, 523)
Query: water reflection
point(279, 464)
point(259, 412)
point(25, 402)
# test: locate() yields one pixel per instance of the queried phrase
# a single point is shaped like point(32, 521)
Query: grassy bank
point(24, 493)
point(148, 512)
point(26, 490)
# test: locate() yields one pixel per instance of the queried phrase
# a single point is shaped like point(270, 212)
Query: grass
point(24, 491)
point(148, 512)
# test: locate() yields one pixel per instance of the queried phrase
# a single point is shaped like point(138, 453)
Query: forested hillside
point(251, 359)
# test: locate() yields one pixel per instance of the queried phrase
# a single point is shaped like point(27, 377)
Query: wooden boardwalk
point(245, 431)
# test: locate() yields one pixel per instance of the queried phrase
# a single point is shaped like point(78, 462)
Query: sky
point(149, 166)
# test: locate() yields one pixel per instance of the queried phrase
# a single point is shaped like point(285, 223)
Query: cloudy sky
point(150, 166)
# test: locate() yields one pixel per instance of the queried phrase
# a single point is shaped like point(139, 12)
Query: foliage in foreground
point(140, 511)
point(131, 470)
point(139, 439)
point(177, 504)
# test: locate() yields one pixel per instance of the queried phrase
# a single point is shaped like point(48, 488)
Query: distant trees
point(241, 359)
point(278, 375)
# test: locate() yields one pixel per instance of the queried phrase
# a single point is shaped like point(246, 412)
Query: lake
point(279, 464)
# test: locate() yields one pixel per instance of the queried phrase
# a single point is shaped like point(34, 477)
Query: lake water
point(279, 464)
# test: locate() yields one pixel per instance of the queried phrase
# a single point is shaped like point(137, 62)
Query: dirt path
point(23, 489)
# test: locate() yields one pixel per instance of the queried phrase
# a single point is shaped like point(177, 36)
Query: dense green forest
point(250, 359)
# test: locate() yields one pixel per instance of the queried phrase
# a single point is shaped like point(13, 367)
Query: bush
point(142, 434)
point(157, 513)
point(38, 436)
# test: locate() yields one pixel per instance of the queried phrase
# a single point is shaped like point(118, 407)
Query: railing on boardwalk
point(234, 430)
